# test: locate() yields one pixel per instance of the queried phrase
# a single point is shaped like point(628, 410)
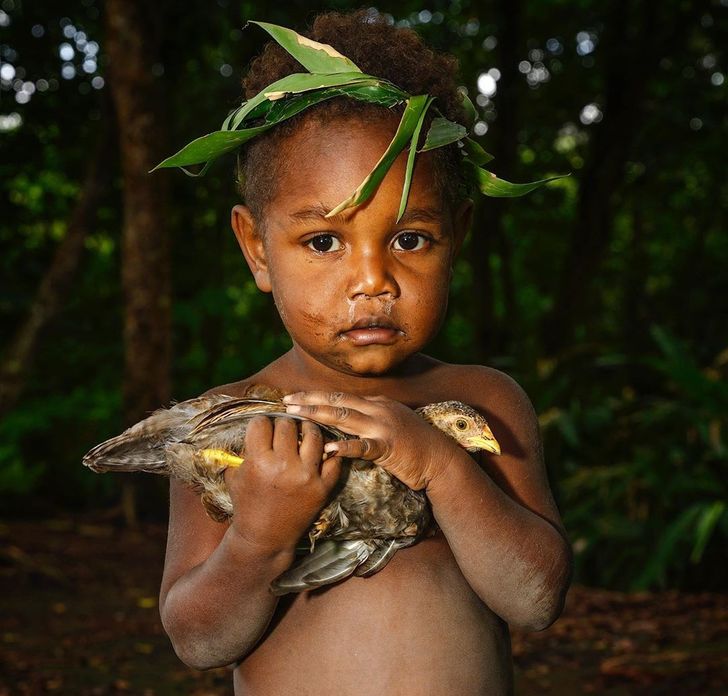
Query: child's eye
point(324, 242)
point(410, 241)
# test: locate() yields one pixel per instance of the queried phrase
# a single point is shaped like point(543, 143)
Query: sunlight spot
point(717, 79)
point(97, 82)
point(486, 84)
point(480, 128)
point(66, 51)
point(38, 30)
point(489, 43)
point(591, 113)
point(695, 123)
point(10, 122)
point(7, 72)
point(554, 46)
point(68, 72)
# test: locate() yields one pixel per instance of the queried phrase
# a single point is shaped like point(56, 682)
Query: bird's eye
point(324, 243)
point(410, 241)
point(461, 424)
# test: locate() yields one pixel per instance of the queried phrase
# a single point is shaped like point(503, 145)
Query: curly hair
point(398, 55)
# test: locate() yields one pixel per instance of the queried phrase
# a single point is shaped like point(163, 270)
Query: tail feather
point(379, 558)
point(141, 447)
point(122, 454)
point(330, 562)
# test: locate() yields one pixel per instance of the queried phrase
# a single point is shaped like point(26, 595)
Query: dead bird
point(371, 513)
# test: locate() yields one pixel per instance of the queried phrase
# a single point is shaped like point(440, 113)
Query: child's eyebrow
point(319, 212)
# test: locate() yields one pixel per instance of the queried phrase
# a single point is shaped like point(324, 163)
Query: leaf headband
point(333, 75)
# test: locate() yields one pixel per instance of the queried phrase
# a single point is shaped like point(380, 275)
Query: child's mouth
point(372, 331)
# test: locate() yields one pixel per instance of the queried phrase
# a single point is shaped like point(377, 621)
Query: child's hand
point(391, 434)
point(282, 485)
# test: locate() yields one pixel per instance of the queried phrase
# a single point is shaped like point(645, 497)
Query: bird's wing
point(232, 412)
point(379, 557)
point(330, 562)
point(141, 447)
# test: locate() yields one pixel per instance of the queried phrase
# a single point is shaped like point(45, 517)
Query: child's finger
point(259, 434)
point(322, 398)
point(330, 471)
point(285, 436)
point(347, 419)
point(311, 449)
point(364, 448)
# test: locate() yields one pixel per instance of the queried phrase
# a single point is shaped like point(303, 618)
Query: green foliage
point(642, 476)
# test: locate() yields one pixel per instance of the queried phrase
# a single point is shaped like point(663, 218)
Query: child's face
point(359, 292)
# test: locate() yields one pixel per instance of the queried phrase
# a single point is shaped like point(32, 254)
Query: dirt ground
point(78, 616)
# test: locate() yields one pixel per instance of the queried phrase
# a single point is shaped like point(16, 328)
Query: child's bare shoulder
point(485, 388)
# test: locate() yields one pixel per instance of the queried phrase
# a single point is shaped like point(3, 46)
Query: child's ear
point(251, 244)
point(462, 219)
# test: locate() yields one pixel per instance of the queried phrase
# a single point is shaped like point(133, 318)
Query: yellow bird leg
point(220, 458)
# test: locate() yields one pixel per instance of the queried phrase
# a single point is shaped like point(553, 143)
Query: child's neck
point(307, 373)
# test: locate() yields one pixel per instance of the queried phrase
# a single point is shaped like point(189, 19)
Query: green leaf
point(492, 186)
point(370, 91)
point(704, 529)
point(209, 147)
point(290, 84)
point(471, 113)
point(315, 57)
point(654, 570)
point(475, 153)
point(411, 157)
point(443, 132)
point(408, 123)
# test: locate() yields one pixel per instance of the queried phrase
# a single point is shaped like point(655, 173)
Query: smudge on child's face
point(358, 292)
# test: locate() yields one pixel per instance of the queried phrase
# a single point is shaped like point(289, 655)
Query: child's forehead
point(323, 162)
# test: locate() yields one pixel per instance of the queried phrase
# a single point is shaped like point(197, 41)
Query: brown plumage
point(371, 513)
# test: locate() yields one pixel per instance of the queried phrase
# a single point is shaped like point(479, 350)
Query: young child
point(361, 294)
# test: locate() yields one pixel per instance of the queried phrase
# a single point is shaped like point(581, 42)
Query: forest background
point(605, 294)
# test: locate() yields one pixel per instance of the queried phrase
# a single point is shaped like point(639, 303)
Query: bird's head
point(462, 423)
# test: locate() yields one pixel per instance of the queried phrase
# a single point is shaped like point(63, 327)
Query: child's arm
point(215, 601)
point(502, 526)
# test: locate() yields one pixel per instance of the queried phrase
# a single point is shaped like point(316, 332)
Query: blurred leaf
point(707, 522)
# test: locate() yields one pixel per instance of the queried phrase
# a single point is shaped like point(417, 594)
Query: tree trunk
point(636, 38)
point(132, 48)
point(56, 284)
point(492, 331)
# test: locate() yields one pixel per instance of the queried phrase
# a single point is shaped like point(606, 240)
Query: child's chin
point(371, 362)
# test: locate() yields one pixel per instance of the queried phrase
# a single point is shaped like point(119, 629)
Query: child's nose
point(372, 276)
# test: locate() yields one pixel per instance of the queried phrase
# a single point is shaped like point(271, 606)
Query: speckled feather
point(371, 513)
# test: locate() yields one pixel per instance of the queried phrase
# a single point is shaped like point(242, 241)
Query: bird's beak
point(486, 442)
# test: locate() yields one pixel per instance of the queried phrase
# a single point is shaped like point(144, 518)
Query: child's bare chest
point(415, 627)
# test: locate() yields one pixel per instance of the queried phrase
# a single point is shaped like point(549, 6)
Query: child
point(361, 294)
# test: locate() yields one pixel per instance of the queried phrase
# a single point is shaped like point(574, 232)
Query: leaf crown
point(330, 75)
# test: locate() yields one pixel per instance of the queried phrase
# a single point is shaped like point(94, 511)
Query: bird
point(370, 515)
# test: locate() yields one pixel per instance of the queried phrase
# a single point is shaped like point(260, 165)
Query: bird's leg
point(220, 458)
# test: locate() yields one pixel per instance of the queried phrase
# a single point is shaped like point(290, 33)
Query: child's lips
point(372, 331)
